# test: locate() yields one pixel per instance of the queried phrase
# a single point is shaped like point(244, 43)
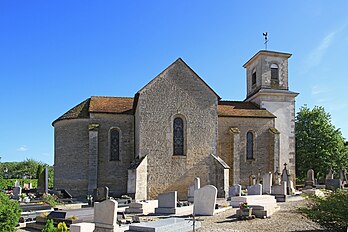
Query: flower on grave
point(244, 205)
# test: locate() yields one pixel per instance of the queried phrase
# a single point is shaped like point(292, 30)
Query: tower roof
point(266, 53)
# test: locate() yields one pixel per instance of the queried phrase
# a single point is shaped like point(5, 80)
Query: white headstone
point(82, 227)
point(17, 184)
point(204, 201)
point(267, 183)
point(105, 216)
point(235, 190)
point(197, 184)
point(255, 189)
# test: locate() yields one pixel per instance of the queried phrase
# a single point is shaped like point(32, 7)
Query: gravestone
point(191, 189)
point(252, 180)
point(276, 178)
point(291, 187)
point(197, 183)
point(235, 190)
point(267, 183)
point(105, 216)
point(255, 189)
point(280, 191)
point(167, 203)
point(17, 184)
point(101, 194)
point(204, 201)
point(343, 176)
point(329, 174)
point(259, 180)
point(42, 182)
point(16, 192)
point(333, 184)
point(309, 182)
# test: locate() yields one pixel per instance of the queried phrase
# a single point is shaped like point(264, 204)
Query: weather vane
point(265, 34)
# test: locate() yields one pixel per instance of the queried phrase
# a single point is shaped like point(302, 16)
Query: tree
point(9, 213)
point(319, 145)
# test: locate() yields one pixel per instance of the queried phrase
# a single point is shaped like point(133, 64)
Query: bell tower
point(267, 86)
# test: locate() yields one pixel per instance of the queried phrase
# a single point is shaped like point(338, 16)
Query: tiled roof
point(115, 105)
point(79, 111)
point(242, 109)
point(124, 105)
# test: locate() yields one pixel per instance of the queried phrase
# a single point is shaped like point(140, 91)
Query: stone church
point(177, 128)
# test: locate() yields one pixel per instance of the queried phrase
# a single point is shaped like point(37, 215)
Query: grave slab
point(165, 225)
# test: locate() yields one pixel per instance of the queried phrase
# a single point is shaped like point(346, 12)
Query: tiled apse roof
point(242, 109)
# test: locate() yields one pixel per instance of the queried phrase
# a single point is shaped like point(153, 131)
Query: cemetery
point(260, 200)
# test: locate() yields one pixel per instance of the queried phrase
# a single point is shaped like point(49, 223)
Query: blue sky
point(55, 54)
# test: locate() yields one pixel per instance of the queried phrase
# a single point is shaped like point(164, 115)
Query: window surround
point(247, 146)
point(119, 143)
point(274, 73)
point(182, 117)
point(253, 77)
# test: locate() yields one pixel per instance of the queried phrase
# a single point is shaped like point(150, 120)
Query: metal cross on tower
point(265, 34)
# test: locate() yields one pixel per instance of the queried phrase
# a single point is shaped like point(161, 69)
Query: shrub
point(50, 199)
point(9, 213)
point(49, 227)
point(62, 227)
point(330, 211)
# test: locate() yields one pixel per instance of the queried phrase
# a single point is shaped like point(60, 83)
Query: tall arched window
point(253, 78)
point(114, 144)
point(250, 146)
point(178, 136)
point(274, 72)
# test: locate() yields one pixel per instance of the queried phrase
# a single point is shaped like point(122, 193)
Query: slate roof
point(124, 105)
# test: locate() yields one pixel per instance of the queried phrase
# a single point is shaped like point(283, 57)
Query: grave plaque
point(57, 214)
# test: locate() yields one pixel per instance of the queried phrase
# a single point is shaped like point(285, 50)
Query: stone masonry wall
point(71, 156)
point(176, 92)
point(114, 174)
point(262, 141)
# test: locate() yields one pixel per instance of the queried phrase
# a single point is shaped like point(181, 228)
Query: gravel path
point(286, 219)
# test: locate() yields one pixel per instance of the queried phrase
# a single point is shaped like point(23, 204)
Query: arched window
point(274, 72)
point(250, 146)
point(253, 78)
point(114, 144)
point(178, 136)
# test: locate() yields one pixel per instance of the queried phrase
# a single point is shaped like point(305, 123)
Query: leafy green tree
point(9, 213)
point(319, 145)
